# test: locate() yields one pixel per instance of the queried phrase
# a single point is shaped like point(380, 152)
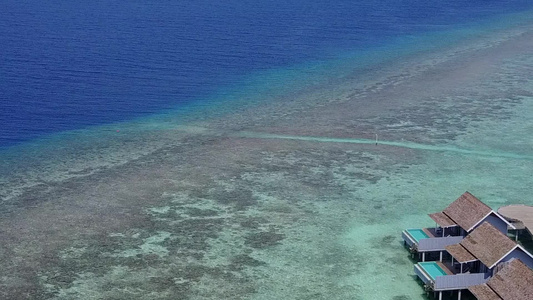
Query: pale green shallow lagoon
point(235, 207)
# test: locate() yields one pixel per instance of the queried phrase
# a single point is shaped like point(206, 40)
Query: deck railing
point(438, 244)
point(459, 281)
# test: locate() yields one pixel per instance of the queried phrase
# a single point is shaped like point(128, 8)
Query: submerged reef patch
point(264, 239)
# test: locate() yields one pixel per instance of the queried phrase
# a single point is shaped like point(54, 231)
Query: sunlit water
point(228, 150)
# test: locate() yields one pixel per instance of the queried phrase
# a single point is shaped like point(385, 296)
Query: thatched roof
point(484, 292)
point(467, 211)
point(442, 219)
point(460, 254)
point(519, 213)
point(488, 244)
point(513, 282)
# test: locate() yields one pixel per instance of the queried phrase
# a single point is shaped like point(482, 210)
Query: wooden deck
point(429, 233)
point(520, 213)
point(445, 268)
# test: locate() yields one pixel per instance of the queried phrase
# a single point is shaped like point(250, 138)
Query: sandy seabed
point(285, 200)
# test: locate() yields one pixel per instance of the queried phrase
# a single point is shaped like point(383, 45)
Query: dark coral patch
point(243, 260)
point(240, 198)
point(265, 239)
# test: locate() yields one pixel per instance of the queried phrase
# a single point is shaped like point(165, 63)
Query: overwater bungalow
point(452, 224)
point(514, 281)
point(472, 262)
point(521, 216)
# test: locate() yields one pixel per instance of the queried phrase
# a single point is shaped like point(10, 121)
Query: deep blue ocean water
point(68, 65)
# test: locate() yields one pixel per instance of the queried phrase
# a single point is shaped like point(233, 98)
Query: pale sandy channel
point(272, 202)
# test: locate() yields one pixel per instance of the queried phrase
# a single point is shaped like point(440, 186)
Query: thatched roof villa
point(466, 213)
point(452, 224)
point(473, 261)
point(513, 282)
point(489, 246)
point(469, 251)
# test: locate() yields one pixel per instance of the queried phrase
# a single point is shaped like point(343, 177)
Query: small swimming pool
point(433, 269)
point(417, 234)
